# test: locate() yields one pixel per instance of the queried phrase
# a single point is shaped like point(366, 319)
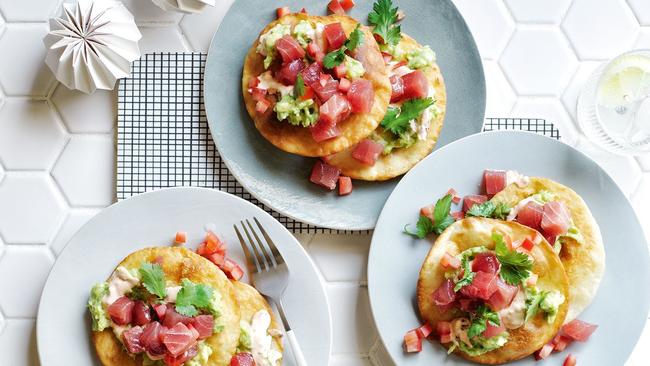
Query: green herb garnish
point(441, 220)
point(153, 279)
point(383, 17)
point(192, 296)
point(396, 120)
point(515, 266)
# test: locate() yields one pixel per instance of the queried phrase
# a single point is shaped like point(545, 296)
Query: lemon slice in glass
point(625, 80)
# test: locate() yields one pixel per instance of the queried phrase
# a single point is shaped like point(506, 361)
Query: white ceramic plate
point(621, 306)
point(152, 219)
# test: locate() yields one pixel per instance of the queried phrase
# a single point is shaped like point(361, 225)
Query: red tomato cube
point(424, 330)
point(345, 186)
point(449, 261)
point(347, 4)
point(412, 343)
point(335, 7)
point(570, 360)
point(181, 238)
point(324, 175)
point(283, 11)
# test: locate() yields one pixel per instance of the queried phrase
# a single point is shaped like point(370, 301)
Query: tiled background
point(57, 161)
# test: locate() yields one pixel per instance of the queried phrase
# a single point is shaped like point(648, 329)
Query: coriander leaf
point(443, 206)
point(153, 279)
point(383, 17)
point(334, 58)
point(398, 121)
point(192, 296)
point(299, 87)
point(355, 40)
point(423, 228)
point(501, 211)
point(481, 318)
point(468, 275)
point(515, 266)
point(485, 209)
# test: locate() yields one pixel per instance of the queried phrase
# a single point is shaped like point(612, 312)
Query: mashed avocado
point(245, 342)
point(146, 361)
point(421, 57)
point(354, 68)
point(267, 42)
point(484, 345)
point(397, 51)
point(99, 315)
point(543, 197)
point(202, 357)
point(550, 304)
point(297, 112)
point(304, 32)
point(392, 141)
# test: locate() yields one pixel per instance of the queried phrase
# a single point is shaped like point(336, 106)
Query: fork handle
point(295, 347)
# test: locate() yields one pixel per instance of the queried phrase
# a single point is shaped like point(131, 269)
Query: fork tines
point(259, 257)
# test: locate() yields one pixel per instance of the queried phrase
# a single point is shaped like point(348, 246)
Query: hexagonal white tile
point(535, 11)
point(199, 28)
point(161, 39)
point(28, 10)
point(145, 11)
point(31, 265)
point(500, 96)
point(31, 209)
point(93, 155)
point(641, 9)
point(573, 90)
point(24, 73)
point(75, 220)
point(73, 106)
point(532, 70)
point(584, 22)
point(353, 328)
point(18, 343)
point(550, 109)
point(490, 23)
point(623, 169)
point(341, 257)
point(378, 354)
point(30, 135)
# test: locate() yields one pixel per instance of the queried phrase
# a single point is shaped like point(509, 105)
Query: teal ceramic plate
point(280, 180)
point(620, 307)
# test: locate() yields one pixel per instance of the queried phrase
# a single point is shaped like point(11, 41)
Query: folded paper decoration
point(184, 6)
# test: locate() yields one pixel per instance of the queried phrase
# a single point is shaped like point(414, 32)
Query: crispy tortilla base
point(298, 140)
point(473, 232)
point(584, 263)
point(250, 302)
point(179, 263)
point(399, 161)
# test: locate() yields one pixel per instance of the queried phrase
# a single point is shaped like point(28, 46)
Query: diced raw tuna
point(483, 286)
point(361, 96)
point(494, 181)
point(335, 36)
point(444, 295)
point(204, 324)
point(344, 85)
point(289, 49)
point(131, 340)
point(397, 86)
point(121, 311)
point(315, 52)
point(325, 175)
point(336, 109)
point(367, 151)
point(324, 130)
point(555, 219)
point(345, 186)
point(178, 339)
point(530, 215)
point(289, 71)
point(579, 330)
point(181, 359)
point(325, 87)
point(544, 352)
point(151, 340)
point(242, 359)
point(468, 305)
point(443, 328)
point(172, 318)
point(311, 74)
point(493, 330)
point(471, 200)
point(340, 70)
point(485, 262)
point(416, 85)
point(141, 313)
point(503, 296)
point(160, 310)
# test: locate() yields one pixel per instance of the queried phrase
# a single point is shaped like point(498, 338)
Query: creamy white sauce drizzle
point(172, 292)
point(318, 36)
point(514, 315)
point(119, 284)
point(267, 82)
point(262, 345)
point(513, 176)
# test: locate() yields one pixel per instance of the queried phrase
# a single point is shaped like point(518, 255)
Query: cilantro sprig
point(479, 323)
point(336, 57)
point(299, 87)
point(153, 279)
point(489, 209)
point(383, 17)
point(515, 266)
point(192, 296)
point(396, 120)
point(441, 220)
point(468, 275)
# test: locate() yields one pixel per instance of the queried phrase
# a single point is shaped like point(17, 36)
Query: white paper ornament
point(92, 44)
point(184, 6)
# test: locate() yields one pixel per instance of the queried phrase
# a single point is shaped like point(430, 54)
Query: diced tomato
point(303, 11)
point(325, 175)
point(449, 261)
point(397, 87)
point(412, 343)
point(530, 215)
point(483, 286)
point(141, 313)
point(561, 342)
point(172, 318)
point(443, 328)
point(336, 109)
point(445, 294)
point(242, 359)
point(424, 330)
point(416, 85)
point(121, 311)
point(214, 244)
point(289, 49)
point(367, 151)
point(217, 258)
point(458, 215)
point(160, 310)
point(455, 198)
point(361, 96)
point(344, 85)
point(232, 269)
point(345, 186)
point(532, 279)
point(335, 7)
point(289, 71)
point(570, 360)
point(311, 73)
point(494, 181)
point(334, 33)
point(315, 52)
point(253, 82)
point(427, 211)
point(178, 339)
point(204, 325)
point(309, 93)
point(326, 87)
point(347, 4)
point(503, 296)
point(283, 11)
point(578, 330)
point(555, 219)
point(544, 352)
point(131, 339)
point(151, 340)
point(485, 262)
point(181, 238)
point(262, 106)
point(527, 244)
point(445, 338)
point(324, 130)
point(258, 94)
point(340, 70)
point(493, 330)
point(471, 200)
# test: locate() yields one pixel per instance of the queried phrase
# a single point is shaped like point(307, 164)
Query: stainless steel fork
point(269, 274)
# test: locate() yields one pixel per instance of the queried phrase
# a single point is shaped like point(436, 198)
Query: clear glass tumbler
point(614, 106)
